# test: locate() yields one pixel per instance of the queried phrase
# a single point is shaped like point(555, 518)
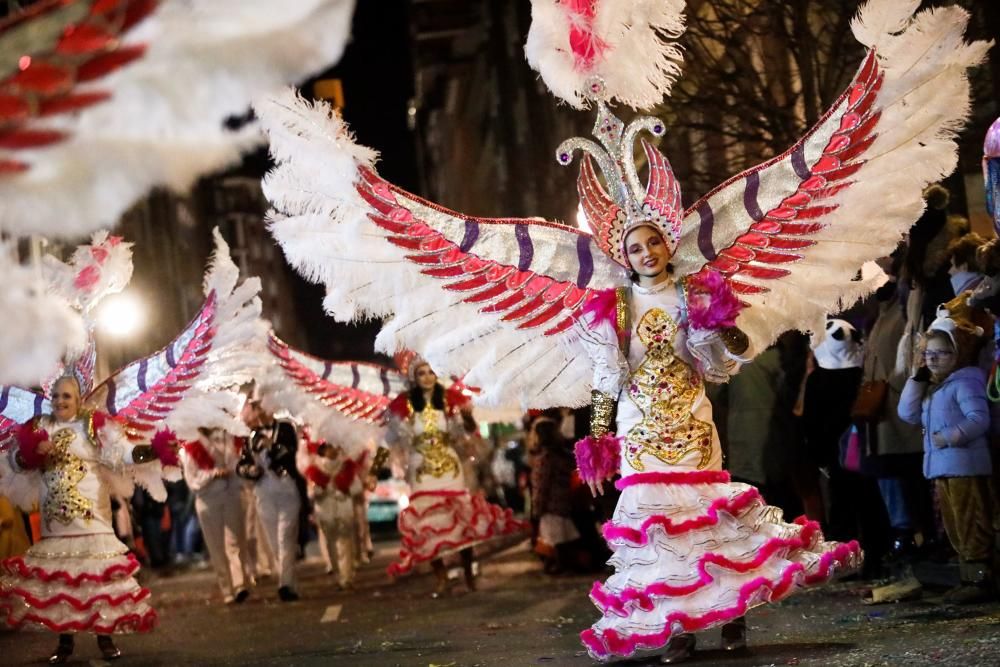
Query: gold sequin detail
point(621, 317)
point(63, 502)
point(602, 406)
point(435, 447)
point(665, 388)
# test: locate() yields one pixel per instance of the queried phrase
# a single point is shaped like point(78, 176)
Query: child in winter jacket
point(947, 396)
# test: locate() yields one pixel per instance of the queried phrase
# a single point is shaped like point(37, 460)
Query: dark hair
point(548, 434)
point(437, 398)
point(964, 250)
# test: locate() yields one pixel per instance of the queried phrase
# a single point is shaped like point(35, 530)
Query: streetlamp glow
point(121, 315)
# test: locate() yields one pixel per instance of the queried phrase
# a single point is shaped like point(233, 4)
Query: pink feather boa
point(602, 307)
point(29, 438)
point(711, 302)
point(598, 458)
point(165, 445)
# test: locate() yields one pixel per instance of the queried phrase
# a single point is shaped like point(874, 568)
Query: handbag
point(869, 406)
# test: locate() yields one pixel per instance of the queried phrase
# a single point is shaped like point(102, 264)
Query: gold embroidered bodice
point(434, 445)
point(664, 388)
point(64, 471)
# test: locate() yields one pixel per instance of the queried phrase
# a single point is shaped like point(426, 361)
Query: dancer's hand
point(596, 488)
point(45, 447)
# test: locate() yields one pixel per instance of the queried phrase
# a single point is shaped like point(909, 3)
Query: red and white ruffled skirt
point(75, 584)
point(438, 523)
point(693, 550)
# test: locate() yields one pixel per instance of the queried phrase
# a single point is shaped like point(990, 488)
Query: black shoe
point(242, 596)
point(286, 594)
point(734, 635)
point(63, 650)
point(680, 649)
point(108, 649)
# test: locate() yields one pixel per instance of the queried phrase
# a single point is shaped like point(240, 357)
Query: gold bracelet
point(601, 408)
point(735, 340)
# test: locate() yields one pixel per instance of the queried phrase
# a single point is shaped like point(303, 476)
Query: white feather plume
point(40, 327)
point(634, 42)
point(165, 121)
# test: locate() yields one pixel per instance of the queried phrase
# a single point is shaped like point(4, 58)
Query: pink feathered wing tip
point(602, 307)
point(711, 302)
point(598, 458)
point(165, 445)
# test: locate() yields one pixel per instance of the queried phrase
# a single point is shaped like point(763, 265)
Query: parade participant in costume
point(68, 458)
point(333, 478)
point(551, 493)
point(947, 396)
point(270, 464)
point(430, 427)
point(343, 402)
point(528, 310)
point(209, 465)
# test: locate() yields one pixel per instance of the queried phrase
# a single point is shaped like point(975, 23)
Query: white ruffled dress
point(79, 577)
point(443, 516)
point(691, 550)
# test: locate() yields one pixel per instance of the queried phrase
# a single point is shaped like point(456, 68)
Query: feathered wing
point(490, 300)
point(791, 234)
point(189, 383)
point(40, 326)
point(342, 401)
point(150, 102)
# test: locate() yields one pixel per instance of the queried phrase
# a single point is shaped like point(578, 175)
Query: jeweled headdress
point(612, 215)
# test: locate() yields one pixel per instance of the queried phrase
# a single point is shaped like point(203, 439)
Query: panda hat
point(840, 348)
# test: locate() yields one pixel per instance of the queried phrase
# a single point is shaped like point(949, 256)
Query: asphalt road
point(517, 617)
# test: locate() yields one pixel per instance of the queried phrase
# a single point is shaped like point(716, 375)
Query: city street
point(517, 617)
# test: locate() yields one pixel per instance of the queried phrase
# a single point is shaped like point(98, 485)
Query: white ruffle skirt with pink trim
point(438, 523)
point(75, 584)
point(693, 550)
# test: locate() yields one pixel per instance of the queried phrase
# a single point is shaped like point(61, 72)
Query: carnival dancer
point(429, 427)
point(271, 467)
point(508, 303)
point(364, 549)
point(70, 457)
point(209, 465)
point(333, 479)
point(79, 577)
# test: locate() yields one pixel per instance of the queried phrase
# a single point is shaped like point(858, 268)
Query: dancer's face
point(648, 254)
point(426, 377)
point(65, 399)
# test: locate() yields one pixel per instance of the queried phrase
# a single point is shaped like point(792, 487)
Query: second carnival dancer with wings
point(658, 299)
point(67, 453)
point(430, 427)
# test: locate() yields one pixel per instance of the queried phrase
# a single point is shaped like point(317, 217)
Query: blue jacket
point(959, 410)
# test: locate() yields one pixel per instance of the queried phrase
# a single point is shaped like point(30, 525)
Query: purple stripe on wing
point(525, 248)
point(140, 377)
point(471, 236)
point(355, 376)
point(586, 258)
point(705, 230)
point(799, 162)
point(327, 369)
point(384, 373)
point(750, 196)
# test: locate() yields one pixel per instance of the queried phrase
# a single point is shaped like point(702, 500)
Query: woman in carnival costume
point(79, 577)
point(538, 314)
point(62, 455)
point(430, 427)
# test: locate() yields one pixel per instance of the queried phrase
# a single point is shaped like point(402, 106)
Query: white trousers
point(220, 514)
point(258, 560)
point(363, 533)
point(278, 506)
point(337, 538)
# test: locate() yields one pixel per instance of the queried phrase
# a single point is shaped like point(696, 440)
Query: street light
point(121, 315)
